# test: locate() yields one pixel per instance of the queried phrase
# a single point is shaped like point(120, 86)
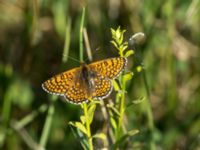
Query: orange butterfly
point(87, 81)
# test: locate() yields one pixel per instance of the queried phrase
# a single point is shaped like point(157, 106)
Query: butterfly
point(89, 81)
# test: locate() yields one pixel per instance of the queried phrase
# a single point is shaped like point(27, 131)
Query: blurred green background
point(34, 34)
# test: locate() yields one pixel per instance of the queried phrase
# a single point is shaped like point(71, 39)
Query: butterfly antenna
point(72, 58)
point(88, 48)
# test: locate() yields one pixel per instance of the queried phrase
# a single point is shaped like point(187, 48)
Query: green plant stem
point(121, 108)
point(88, 126)
point(67, 41)
point(47, 125)
point(6, 110)
point(149, 113)
point(81, 35)
point(7, 104)
point(26, 120)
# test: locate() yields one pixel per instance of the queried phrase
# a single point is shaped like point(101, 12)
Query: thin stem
point(7, 105)
point(121, 108)
point(47, 125)
point(149, 112)
point(25, 136)
point(6, 110)
point(26, 120)
point(88, 126)
point(35, 27)
point(81, 35)
point(67, 41)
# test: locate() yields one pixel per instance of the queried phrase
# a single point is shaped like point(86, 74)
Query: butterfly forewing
point(60, 83)
point(109, 68)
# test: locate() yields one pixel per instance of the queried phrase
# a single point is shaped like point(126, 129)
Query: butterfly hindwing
point(102, 87)
point(77, 93)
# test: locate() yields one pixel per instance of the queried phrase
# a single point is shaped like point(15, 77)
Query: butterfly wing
point(102, 87)
point(61, 82)
point(77, 93)
point(109, 68)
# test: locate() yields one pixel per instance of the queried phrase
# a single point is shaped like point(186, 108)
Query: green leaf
point(81, 137)
point(113, 123)
point(124, 47)
point(120, 39)
point(91, 112)
point(83, 119)
point(135, 102)
point(114, 110)
point(140, 100)
point(115, 85)
point(124, 137)
point(127, 76)
point(121, 47)
point(78, 125)
point(112, 31)
point(100, 136)
point(129, 53)
point(118, 33)
point(93, 102)
point(114, 43)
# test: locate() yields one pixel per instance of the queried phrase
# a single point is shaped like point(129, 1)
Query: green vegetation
point(155, 103)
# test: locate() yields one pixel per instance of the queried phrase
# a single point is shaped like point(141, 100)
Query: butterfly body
point(87, 81)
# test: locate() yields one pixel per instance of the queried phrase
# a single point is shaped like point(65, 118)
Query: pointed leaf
point(100, 136)
point(81, 137)
point(114, 110)
point(83, 119)
point(120, 39)
point(124, 137)
point(112, 31)
point(115, 85)
point(91, 112)
point(113, 123)
point(132, 132)
point(135, 102)
point(79, 125)
point(129, 53)
point(140, 100)
point(118, 33)
point(127, 76)
point(124, 47)
point(114, 43)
